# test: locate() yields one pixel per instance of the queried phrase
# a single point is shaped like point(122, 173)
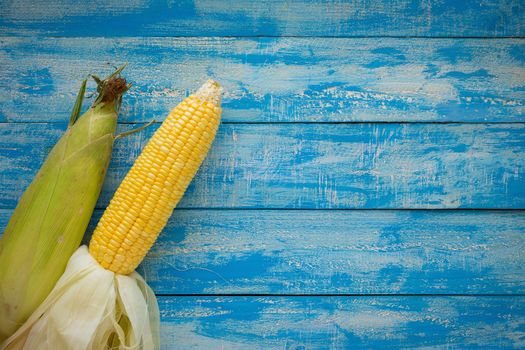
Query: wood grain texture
point(336, 252)
point(342, 322)
point(339, 252)
point(275, 79)
point(489, 18)
point(299, 278)
point(317, 165)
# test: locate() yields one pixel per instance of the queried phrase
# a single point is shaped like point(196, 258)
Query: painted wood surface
point(489, 18)
point(275, 79)
point(367, 105)
point(339, 252)
point(317, 165)
point(336, 252)
point(338, 323)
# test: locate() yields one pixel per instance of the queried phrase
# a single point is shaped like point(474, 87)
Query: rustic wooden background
point(366, 188)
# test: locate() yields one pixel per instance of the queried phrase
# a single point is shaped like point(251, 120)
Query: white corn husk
point(92, 308)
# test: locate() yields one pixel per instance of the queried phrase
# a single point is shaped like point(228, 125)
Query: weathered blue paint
point(275, 79)
point(489, 18)
point(304, 82)
point(317, 165)
point(342, 323)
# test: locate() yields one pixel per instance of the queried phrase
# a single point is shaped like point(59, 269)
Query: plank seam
point(372, 295)
point(37, 36)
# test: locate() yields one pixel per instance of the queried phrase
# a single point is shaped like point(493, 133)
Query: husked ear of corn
point(54, 211)
point(101, 302)
point(152, 188)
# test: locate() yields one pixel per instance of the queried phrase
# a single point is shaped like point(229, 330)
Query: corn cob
point(54, 211)
point(100, 302)
point(157, 181)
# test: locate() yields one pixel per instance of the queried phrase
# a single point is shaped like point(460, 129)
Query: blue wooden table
point(366, 188)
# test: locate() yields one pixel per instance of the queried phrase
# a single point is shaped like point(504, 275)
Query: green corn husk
point(53, 213)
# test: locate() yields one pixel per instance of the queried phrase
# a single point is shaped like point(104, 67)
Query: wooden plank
point(342, 322)
point(275, 80)
point(339, 252)
point(490, 18)
point(336, 252)
point(317, 165)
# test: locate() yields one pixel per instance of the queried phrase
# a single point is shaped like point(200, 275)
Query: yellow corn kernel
point(142, 204)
